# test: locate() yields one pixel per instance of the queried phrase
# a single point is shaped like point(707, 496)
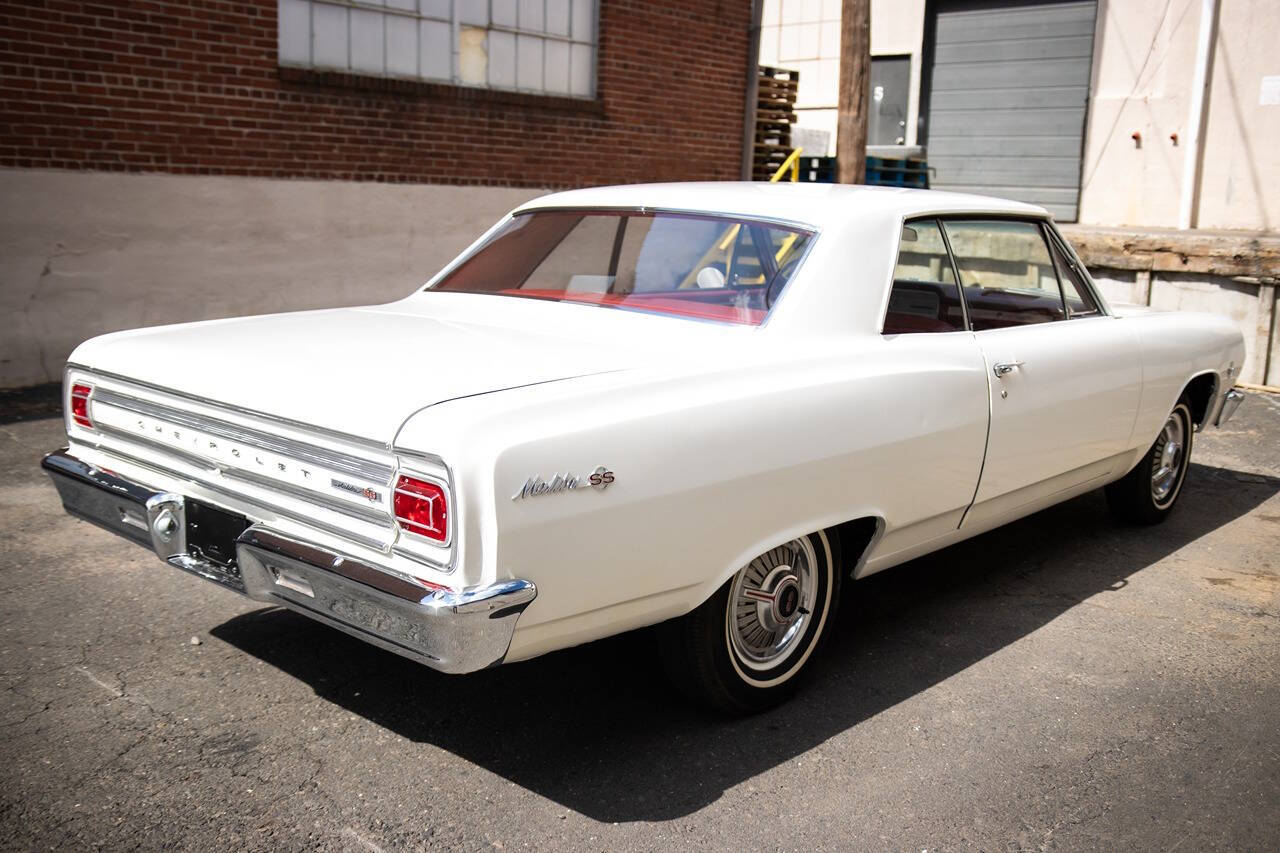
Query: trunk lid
point(362, 371)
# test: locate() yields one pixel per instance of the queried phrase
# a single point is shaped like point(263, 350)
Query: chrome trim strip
point(452, 631)
point(261, 440)
point(718, 215)
point(370, 514)
point(240, 410)
point(1230, 402)
point(378, 517)
point(379, 577)
point(307, 520)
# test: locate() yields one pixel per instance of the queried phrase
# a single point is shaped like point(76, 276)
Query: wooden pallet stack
point(775, 113)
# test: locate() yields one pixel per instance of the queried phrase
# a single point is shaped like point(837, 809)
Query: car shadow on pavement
point(598, 730)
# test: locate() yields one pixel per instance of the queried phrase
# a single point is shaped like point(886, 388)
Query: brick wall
point(166, 86)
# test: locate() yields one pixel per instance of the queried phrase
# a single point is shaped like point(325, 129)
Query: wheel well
point(1200, 392)
point(855, 537)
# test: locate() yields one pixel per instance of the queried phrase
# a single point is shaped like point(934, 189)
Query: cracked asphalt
point(1061, 683)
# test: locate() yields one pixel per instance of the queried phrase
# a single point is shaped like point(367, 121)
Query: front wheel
point(744, 649)
point(1147, 494)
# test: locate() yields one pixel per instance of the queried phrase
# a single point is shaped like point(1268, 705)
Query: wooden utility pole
point(855, 86)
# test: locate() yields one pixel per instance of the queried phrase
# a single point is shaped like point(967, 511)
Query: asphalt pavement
point(1061, 683)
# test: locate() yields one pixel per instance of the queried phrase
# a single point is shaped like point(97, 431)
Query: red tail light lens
point(80, 404)
point(422, 508)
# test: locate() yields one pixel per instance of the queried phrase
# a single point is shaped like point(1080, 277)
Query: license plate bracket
point(212, 533)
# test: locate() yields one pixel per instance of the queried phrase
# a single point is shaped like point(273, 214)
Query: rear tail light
point(422, 508)
point(80, 404)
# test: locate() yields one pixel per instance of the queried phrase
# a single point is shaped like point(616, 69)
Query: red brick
point(157, 85)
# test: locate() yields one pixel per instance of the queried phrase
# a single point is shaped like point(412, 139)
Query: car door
point(1065, 378)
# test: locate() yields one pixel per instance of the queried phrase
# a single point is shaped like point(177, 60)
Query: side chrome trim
point(1230, 402)
point(263, 441)
point(240, 410)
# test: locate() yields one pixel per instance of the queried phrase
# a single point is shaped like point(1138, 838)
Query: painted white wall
point(1144, 56)
point(87, 253)
point(1144, 53)
point(805, 35)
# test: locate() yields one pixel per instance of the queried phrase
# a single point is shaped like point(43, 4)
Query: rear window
point(707, 268)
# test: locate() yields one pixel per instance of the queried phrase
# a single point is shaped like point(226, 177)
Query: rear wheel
point(745, 648)
point(1146, 494)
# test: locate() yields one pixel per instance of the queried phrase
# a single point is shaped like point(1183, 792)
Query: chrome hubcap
point(771, 602)
point(1168, 459)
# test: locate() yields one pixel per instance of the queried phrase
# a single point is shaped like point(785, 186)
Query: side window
point(925, 297)
point(1007, 273)
point(1079, 301)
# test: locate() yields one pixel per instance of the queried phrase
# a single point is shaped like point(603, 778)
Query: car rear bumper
point(451, 631)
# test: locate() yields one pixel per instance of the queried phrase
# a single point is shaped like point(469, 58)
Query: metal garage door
point(1007, 101)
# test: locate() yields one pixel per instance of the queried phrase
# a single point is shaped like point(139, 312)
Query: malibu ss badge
point(536, 486)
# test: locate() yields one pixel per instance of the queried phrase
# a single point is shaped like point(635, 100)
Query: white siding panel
point(502, 59)
point(329, 36)
point(402, 46)
point(504, 13)
point(557, 67)
point(582, 69)
point(435, 49)
point(531, 17)
point(368, 41)
point(584, 20)
point(295, 31)
point(558, 17)
point(528, 62)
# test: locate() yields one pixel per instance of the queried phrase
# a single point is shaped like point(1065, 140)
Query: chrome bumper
point(1230, 402)
point(449, 631)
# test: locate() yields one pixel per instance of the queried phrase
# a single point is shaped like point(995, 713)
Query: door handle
point(1006, 367)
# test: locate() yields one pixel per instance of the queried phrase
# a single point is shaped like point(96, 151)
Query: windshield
point(709, 268)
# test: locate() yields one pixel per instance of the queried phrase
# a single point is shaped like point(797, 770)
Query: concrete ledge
point(1232, 254)
point(1231, 273)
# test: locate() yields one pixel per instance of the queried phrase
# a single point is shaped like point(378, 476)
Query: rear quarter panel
point(1176, 347)
point(714, 463)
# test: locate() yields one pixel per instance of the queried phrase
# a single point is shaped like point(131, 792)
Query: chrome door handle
point(1006, 367)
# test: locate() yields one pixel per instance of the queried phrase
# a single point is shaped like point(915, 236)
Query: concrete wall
point(1250, 305)
point(1144, 57)
point(87, 253)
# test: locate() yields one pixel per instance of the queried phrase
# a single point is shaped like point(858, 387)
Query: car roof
point(802, 203)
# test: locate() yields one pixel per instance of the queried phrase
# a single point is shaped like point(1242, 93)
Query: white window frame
point(297, 46)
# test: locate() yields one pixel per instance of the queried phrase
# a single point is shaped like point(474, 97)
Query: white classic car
point(701, 405)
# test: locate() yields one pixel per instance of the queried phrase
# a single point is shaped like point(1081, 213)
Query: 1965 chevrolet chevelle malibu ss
point(701, 405)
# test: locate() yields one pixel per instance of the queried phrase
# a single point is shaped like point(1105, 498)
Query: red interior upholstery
point(895, 323)
point(692, 303)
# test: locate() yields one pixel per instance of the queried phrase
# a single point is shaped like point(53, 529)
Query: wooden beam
point(855, 87)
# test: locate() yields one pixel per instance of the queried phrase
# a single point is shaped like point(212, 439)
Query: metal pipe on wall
point(1195, 120)
point(753, 82)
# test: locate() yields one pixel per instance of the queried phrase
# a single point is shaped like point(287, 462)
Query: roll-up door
point(1007, 99)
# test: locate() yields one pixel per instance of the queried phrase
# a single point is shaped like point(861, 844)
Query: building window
point(543, 46)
